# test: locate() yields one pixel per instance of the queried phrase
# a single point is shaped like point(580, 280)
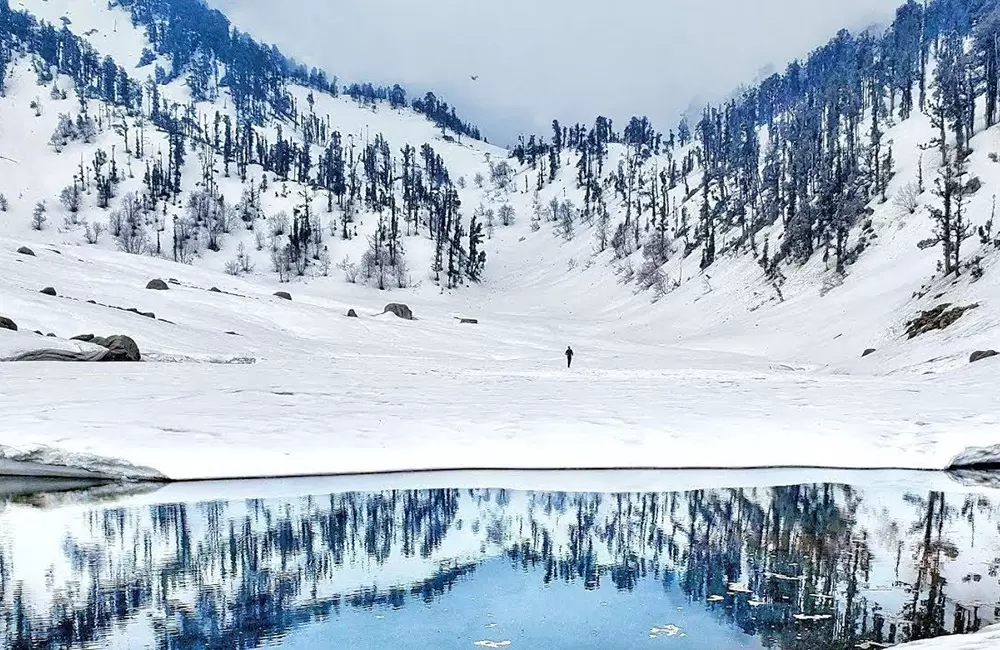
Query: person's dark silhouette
point(569, 356)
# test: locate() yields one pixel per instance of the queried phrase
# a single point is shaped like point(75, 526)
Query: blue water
point(721, 569)
point(498, 604)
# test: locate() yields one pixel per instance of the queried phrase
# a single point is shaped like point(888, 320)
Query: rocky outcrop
point(24, 250)
point(351, 313)
point(938, 318)
point(399, 309)
point(7, 324)
point(157, 285)
point(284, 295)
point(49, 291)
point(979, 355)
point(868, 352)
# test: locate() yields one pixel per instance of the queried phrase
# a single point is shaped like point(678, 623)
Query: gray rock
point(147, 314)
point(215, 290)
point(351, 313)
point(7, 324)
point(24, 250)
point(979, 355)
point(61, 355)
point(51, 335)
point(49, 291)
point(468, 321)
point(284, 295)
point(867, 352)
point(399, 309)
point(120, 347)
point(158, 285)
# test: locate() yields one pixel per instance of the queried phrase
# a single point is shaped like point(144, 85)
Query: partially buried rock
point(49, 291)
point(868, 351)
point(24, 250)
point(351, 313)
point(157, 285)
point(284, 295)
point(979, 355)
point(119, 346)
point(215, 290)
point(7, 324)
point(469, 321)
point(147, 314)
point(399, 309)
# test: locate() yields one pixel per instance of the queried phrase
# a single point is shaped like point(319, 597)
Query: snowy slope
point(241, 383)
point(326, 393)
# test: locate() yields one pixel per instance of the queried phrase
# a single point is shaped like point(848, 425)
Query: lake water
point(311, 564)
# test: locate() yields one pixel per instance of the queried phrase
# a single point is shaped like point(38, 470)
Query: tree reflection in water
point(799, 567)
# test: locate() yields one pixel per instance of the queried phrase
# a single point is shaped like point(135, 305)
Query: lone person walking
point(569, 356)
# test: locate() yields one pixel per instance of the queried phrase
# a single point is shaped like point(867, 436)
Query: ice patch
point(47, 462)
point(977, 458)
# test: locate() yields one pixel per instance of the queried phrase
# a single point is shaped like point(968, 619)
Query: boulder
point(215, 290)
point(119, 346)
point(284, 295)
point(867, 352)
point(351, 313)
point(468, 321)
point(49, 291)
point(157, 285)
point(7, 324)
point(979, 355)
point(399, 309)
point(24, 250)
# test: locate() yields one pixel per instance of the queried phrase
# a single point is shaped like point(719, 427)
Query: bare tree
point(907, 200)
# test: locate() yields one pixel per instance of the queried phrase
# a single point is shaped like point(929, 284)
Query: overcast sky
point(542, 59)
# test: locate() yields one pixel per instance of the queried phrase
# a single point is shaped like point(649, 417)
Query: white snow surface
point(331, 394)
point(718, 373)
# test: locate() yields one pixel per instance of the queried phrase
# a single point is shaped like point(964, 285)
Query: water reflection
point(794, 567)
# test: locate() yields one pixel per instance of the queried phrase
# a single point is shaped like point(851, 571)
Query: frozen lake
point(697, 560)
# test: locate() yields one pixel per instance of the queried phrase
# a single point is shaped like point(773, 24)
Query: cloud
point(542, 59)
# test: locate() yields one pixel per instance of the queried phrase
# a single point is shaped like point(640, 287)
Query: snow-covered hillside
point(238, 382)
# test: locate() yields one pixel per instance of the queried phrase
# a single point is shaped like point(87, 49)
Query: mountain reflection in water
point(797, 567)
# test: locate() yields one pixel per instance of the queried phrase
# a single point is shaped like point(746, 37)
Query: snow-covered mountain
point(724, 278)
